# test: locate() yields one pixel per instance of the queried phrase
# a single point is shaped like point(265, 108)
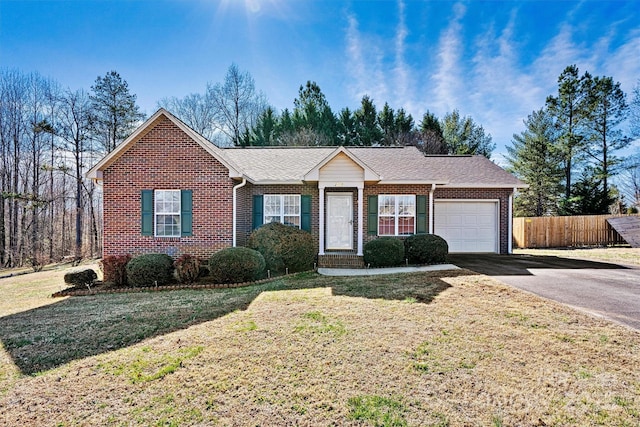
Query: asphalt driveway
point(608, 290)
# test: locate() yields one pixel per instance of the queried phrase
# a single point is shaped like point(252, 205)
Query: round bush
point(284, 247)
point(80, 277)
point(150, 270)
point(384, 252)
point(426, 249)
point(236, 265)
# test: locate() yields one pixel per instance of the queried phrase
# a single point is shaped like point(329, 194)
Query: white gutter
point(235, 203)
point(433, 188)
point(510, 224)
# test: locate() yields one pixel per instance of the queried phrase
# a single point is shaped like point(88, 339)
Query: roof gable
point(341, 153)
point(96, 171)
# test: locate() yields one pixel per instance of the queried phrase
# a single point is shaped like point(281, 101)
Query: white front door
point(339, 221)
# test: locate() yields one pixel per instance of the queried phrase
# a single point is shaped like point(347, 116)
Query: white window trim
point(396, 214)
point(156, 214)
point(282, 215)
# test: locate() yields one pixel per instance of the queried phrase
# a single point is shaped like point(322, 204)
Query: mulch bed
point(102, 288)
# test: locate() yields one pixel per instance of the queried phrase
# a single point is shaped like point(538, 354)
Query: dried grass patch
point(616, 255)
point(446, 348)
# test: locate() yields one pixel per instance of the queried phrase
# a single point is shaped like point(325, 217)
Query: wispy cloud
point(364, 64)
point(401, 70)
point(448, 81)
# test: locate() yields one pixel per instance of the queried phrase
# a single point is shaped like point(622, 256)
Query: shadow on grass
point(520, 265)
point(79, 327)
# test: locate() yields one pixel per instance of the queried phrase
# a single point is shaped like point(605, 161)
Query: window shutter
point(257, 211)
point(146, 221)
point(372, 215)
point(305, 213)
point(186, 213)
point(421, 215)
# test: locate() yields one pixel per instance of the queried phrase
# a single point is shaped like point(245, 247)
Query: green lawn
point(446, 348)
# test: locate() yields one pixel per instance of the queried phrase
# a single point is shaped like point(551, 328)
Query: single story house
point(167, 189)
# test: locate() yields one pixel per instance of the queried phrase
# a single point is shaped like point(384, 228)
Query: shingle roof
point(393, 164)
point(291, 164)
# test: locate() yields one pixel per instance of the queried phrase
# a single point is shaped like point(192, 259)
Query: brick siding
point(167, 158)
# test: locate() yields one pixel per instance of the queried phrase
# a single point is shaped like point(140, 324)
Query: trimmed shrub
point(284, 247)
point(187, 268)
point(114, 269)
point(236, 265)
point(384, 252)
point(80, 277)
point(149, 270)
point(426, 249)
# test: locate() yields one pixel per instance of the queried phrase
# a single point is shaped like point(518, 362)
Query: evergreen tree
point(366, 118)
point(569, 111)
point(464, 136)
point(387, 122)
point(431, 137)
point(116, 114)
point(404, 127)
point(536, 159)
point(313, 113)
point(265, 130)
point(607, 109)
point(347, 133)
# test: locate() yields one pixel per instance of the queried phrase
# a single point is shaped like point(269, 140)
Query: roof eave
point(476, 185)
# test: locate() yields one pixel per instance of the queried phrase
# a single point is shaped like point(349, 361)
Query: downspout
point(433, 188)
point(235, 206)
point(510, 223)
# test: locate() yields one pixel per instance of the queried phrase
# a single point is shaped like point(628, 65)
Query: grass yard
point(426, 349)
point(614, 254)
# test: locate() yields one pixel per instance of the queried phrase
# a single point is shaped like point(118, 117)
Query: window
point(396, 215)
point(167, 213)
point(282, 208)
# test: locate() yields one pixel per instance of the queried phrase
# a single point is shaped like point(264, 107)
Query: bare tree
point(236, 105)
point(195, 110)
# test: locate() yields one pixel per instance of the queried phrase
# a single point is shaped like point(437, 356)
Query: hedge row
point(417, 249)
point(275, 247)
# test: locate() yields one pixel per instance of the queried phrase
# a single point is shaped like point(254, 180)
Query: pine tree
point(536, 159)
point(607, 109)
point(569, 111)
point(116, 114)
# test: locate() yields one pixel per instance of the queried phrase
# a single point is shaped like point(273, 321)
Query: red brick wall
point(245, 206)
point(166, 158)
point(373, 190)
point(500, 194)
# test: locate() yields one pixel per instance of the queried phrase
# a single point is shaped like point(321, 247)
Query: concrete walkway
point(376, 271)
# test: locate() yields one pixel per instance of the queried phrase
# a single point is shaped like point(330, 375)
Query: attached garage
point(468, 226)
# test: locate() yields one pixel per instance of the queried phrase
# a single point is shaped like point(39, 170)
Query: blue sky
point(493, 60)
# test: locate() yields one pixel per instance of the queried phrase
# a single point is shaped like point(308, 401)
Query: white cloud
point(364, 64)
point(401, 71)
point(448, 80)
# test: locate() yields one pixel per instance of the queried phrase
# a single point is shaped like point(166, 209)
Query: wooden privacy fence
point(564, 231)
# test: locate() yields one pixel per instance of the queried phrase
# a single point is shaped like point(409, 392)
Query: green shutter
point(186, 213)
point(372, 215)
point(147, 213)
point(257, 211)
point(421, 215)
point(305, 213)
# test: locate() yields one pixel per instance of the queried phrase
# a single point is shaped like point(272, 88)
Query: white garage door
point(467, 226)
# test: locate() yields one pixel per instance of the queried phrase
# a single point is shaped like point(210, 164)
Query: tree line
point(49, 137)
point(234, 113)
point(570, 149)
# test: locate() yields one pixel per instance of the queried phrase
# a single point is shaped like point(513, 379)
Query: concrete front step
point(340, 260)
